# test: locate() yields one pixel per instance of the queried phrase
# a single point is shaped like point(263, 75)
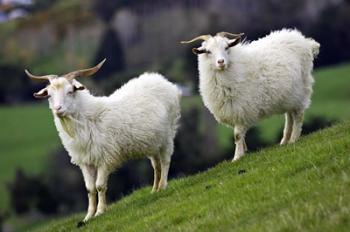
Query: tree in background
point(110, 46)
point(332, 32)
point(28, 193)
point(3, 217)
point(14, 85)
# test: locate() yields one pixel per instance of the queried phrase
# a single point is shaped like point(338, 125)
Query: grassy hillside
point(27, 135)
point(300, 187)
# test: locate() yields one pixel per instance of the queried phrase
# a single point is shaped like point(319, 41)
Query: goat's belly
point(110, 156)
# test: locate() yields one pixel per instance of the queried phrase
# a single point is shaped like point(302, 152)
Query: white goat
point(241, 83)
point(100, 133)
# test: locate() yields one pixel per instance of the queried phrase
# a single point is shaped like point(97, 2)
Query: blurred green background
point(55, 36)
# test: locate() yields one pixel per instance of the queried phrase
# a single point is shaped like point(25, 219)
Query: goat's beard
point(68, 125)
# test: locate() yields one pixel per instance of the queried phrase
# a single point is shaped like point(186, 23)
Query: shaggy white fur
point(242, 84)
point(100, 133)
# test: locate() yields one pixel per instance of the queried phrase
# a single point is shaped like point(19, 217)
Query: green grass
point(299, 187)
point(27, 133)
point(27, 136)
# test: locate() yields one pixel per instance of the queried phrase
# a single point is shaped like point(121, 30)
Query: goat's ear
point(198, 51)
point(234, 42)
point(78, 87)
point(41, 94)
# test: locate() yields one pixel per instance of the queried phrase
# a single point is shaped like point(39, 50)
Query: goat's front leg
point(89, 174)
point(239, 134)
point(101, 186)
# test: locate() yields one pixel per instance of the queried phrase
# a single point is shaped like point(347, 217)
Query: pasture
point(28, 135)
point(298, 187)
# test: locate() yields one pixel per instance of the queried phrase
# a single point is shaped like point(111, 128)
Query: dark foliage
point(31, 193)
point(3, 217)
point(66, 183)
point(132, 175)
point(110, 48)
point(332, 32)
point(60, 191)
point(42, 4)
point(317, 123)
point(191, 69)
point(254, 140)
point(14, 85)
point(105, 9)
point(186, 158)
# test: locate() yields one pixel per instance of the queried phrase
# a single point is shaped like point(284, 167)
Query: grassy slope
point(301, 187)
point(31, 127)
point(27, 134)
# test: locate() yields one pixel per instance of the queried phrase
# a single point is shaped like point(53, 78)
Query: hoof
point(99, 213)
point(153, 191)
point(81, 224)
point(236, 158)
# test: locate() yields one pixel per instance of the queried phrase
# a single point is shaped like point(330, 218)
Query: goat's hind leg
point(298, 117)
point(165, 159)
point(155, 161)
point(288, 128)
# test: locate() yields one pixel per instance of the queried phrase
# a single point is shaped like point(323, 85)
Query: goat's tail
point(315, 47)
point(177, 111)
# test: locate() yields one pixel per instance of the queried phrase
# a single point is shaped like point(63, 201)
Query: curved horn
point(226, 34)
point(84, 72)
point(201, 37)
point(41, 78)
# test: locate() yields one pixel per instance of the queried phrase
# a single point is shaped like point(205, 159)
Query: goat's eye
point(70, 92)
point(227, 48)
point(207, 51)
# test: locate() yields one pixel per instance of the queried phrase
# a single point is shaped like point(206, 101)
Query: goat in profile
point(100, 133)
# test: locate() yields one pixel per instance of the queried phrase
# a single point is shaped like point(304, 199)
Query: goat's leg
point(239, 134)
point(101, 186)
point(288, 127)
point(165, 159)
point(89, 174)
point(298, 118)
point(245, 146)
point(157, 172)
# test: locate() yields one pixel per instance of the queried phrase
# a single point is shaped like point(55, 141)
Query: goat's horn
point(201, 37)
point(41, 78)
point(84, 72)
point(225, 34)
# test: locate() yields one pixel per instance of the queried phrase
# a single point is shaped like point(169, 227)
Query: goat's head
point(61, 90)
point(216, 48)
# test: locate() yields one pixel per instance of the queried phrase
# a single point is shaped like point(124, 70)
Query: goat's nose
point(221, 61)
